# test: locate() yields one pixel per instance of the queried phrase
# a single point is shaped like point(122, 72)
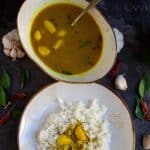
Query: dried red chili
point(147, 117)
point(145, 110)
point(4, 118)
point(144, 107)
point(114, 71)
point(18, 96)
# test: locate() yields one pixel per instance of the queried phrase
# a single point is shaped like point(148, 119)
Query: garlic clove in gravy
point(80, 133)
point(49, 26)
point(58, 44)
point(43, 50)
point(61, 33)
point(37, 35)
point(64, 140)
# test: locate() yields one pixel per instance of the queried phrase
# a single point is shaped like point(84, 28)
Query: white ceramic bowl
point(30, 9)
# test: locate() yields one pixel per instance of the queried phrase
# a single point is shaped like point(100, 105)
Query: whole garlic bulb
point(121, 83)
point(146, 142)
point(119, 39)
point(12, 45)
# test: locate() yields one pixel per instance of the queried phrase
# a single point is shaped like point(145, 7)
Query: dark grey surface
point(132, 17)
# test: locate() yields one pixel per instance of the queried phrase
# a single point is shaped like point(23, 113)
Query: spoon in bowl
point(91, 4)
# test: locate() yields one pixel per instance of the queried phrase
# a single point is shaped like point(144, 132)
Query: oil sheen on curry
point(65, 49)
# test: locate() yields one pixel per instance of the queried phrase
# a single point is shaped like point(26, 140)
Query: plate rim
point(122, 100)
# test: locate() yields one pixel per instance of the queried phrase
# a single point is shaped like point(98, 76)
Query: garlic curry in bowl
point(65, 49)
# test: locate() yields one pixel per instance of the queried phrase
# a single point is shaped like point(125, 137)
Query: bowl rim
point(122, 100)
point(63, 80)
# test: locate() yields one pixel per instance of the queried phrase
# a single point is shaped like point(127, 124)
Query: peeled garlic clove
point(61, 33)
point(13, 53)
point(37, 35)
point(7, 52)
point(20, 53)
point(63, 140)
point(146, 141)
point(80, 134)
point(121, 83)
point(49, 26)
point(58, 44)
point(43, 50)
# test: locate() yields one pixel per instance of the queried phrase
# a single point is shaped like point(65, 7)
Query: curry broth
point(68, 50)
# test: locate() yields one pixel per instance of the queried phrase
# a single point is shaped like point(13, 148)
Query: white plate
point(44, 102)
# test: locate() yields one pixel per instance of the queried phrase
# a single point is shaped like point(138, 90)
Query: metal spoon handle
point(91, 4)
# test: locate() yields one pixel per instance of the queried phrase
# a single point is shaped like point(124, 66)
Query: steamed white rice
point(89, 115)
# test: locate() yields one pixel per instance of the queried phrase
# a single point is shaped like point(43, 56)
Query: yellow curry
point(65, 49)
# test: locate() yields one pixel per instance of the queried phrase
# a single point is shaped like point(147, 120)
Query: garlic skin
point(146, 141)
point(20, 54)
point(12, 45)
point(119, 39)
point(7, 52)
point(13, 53)
point(121, 83)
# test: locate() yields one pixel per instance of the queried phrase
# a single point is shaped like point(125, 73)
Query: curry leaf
point(146, 77)
point(2, 96)
point(142, 88)
point(5, 80)
point(84, 43)
point(138, 110)
point(24, 78)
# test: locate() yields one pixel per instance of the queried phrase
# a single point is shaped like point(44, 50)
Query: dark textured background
point(132, 17)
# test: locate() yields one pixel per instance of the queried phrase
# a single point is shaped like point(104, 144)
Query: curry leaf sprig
point(143, 90)
point(10, 109)
point(5, 84)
